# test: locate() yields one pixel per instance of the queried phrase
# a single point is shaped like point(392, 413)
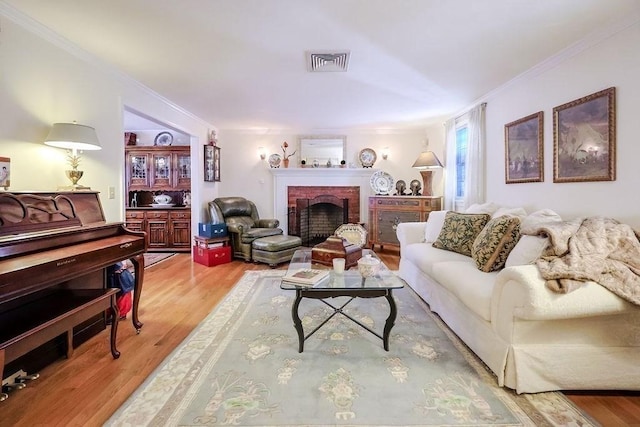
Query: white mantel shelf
point(357, 172)
point(319, 177)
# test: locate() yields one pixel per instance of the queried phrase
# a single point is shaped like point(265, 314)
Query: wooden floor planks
point(86, 389)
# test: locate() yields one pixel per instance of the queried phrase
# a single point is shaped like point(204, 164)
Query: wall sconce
point(262, 153)
point(425, 163)
point(385, 153)
point(73, 137)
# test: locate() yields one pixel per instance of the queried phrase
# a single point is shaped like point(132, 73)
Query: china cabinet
point(158, 168)
point(155, 170)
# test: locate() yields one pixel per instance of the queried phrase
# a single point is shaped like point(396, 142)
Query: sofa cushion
point(494, 243)
point(479, 208)
point(519, 212)
point(535, 220)
point(255, 233)
point(425, 256)
point(527, 250)
point(435, 221)
point(470, 285)
point(459, 231)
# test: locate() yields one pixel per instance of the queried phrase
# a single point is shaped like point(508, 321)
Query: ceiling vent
point(328, 61)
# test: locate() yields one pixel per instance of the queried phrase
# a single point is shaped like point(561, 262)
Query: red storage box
point(212, 256)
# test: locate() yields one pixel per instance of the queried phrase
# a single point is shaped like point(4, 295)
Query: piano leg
point(114, 326)
point(138, 267)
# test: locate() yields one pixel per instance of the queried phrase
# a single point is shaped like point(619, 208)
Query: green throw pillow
point(494, 243)
point(459, 231)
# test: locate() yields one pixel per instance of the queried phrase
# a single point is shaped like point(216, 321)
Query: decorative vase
point(285, 162)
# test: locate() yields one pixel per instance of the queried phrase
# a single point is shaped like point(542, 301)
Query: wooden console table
point(386, 212)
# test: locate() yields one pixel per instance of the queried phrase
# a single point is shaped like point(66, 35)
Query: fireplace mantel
point(316, 177)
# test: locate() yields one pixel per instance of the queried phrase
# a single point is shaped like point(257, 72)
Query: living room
point(46, 79)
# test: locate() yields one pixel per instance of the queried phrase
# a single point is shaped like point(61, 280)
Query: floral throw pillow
point(459, 231)
point(494, 243)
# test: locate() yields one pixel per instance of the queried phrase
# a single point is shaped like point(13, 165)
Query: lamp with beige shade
point(426, 163)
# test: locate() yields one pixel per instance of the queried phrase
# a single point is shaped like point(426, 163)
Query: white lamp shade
point(427, 160)
point(73, 136)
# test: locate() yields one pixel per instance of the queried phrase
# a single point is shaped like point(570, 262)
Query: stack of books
point(306, 276)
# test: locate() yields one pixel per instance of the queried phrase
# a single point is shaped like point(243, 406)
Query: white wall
point(612, 62)
point(44, 81)
point(244, 174)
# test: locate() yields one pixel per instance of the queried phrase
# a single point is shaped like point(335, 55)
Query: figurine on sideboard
point(415, 187)
point(400, 187)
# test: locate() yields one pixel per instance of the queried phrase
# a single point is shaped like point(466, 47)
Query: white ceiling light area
point(243, 64)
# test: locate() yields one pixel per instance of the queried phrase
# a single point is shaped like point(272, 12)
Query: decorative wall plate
point(367, 157)
point(163, 138)
point(354, 233)
point(274, 160)
point(381, 182)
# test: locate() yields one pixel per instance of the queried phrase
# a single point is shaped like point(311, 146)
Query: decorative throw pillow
point(532, 222)
point(494, 243)
point(435, 221)
point(527, 250)
point(459, 231)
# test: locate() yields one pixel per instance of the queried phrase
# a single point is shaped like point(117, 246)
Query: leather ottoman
point(273, 250)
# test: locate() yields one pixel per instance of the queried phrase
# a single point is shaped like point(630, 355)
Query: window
point(462, 139)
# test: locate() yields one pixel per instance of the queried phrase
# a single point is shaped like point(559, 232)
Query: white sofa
point(532, 338)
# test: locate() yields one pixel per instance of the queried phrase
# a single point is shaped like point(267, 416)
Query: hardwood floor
point(178, 293)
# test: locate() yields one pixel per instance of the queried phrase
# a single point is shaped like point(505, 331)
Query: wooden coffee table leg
point(391, 320)
point(297, 323)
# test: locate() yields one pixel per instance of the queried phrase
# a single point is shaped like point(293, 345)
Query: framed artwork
point(5, 172)
point(524, 160)
point(211, 163)
point(584, 138)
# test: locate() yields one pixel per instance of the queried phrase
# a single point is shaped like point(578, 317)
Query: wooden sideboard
point(152, 171)
point(167, 229)
point(386, 212)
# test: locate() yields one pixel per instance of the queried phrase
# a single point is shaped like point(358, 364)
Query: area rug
point(241, 367)
point(152, 258)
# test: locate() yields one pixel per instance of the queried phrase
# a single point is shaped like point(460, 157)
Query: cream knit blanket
point(595, 249)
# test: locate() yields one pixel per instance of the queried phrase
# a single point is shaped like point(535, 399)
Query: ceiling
point(241, 64)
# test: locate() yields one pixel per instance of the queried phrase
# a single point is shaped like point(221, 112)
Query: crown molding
point(57, 40)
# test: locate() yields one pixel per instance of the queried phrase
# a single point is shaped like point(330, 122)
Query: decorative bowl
point(162, 199)
point(368, 266)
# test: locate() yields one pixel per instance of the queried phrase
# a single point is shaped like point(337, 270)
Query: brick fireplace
point(314, 212)
point(347, 183)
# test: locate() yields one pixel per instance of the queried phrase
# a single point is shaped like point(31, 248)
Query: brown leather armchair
point(243, 223)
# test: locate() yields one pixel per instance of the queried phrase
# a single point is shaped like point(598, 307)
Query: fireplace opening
point(313, 220)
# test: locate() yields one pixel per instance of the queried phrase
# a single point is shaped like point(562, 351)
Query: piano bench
point(51, 316)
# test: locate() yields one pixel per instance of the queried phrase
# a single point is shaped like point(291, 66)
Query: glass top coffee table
point(351, 284)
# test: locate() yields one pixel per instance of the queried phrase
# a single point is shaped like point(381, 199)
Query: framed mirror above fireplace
point(322, 148)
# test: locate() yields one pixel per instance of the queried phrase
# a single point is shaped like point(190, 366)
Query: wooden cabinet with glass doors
point(151, 171)
point(158, 168)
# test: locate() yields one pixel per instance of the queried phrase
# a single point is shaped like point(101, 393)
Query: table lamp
point(73, 137)
point(425, 163)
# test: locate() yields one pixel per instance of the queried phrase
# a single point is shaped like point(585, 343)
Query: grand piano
point(54, 251)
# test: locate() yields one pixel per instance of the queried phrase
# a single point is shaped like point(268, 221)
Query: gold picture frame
point(584, 138)
point(524, 153)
